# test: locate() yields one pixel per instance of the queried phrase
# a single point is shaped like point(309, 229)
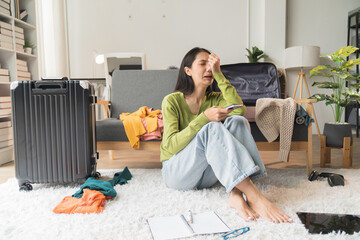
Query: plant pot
point(335, 134)
point(28, 50)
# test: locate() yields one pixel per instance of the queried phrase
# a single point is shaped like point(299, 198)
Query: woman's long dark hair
point(185, 83)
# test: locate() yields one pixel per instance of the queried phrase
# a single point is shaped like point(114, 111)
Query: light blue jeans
point(218, 152)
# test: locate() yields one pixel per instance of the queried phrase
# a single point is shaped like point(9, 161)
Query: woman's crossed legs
point(228, 153)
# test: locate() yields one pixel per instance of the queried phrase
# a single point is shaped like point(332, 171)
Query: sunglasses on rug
point(235, 233)
point(332, 178)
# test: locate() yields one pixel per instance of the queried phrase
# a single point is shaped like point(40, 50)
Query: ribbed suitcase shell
point(54, 131)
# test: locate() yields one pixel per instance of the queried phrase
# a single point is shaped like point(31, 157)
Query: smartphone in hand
point(234, 106)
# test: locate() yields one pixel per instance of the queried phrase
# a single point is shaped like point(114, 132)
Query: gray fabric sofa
point(132, 89)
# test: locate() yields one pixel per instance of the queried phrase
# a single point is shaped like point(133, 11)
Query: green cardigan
point(180, 125)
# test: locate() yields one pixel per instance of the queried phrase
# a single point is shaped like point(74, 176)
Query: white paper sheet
point(173, 227)
point(208, 223)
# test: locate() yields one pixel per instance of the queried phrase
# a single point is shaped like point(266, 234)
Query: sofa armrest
point(106, 107)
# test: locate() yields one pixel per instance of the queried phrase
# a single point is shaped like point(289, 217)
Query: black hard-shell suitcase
point(252, 81)
point(54, 131)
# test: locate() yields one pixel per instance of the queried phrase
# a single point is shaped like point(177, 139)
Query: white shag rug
point(28, 215)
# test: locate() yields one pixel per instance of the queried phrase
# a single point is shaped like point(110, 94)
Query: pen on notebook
point(190, 217)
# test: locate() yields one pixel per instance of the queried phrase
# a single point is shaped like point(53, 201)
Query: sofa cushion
point(250, 113)
point(132, 89)
point(300, 133)
point(110, 129)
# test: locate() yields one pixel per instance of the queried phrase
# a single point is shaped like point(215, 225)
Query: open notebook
point(177, 227)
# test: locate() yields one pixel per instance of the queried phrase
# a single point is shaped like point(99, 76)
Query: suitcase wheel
point(97, 175)
point(26, 187)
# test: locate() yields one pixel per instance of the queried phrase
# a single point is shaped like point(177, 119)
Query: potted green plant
point(337, 75)
point(28, 47)
point(255, 55)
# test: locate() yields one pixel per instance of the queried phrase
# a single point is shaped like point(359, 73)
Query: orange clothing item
point(92, 201)
point(134, 127)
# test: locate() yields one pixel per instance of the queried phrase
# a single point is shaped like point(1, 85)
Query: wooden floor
point(137, 159)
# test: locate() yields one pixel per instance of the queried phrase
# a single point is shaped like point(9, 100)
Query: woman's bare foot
point(237, 202)
point(261, 205)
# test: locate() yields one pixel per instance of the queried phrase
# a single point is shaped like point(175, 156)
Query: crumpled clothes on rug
point(92, 195)
point(92, 201)
point(106, 187)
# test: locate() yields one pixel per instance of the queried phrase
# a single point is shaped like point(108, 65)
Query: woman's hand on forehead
point(214, 62)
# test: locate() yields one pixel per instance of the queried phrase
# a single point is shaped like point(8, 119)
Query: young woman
point(198, 150)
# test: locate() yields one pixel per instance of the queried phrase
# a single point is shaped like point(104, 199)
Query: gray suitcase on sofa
point(54, 131)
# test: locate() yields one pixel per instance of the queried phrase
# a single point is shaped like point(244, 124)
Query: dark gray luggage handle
point(45, 84)
point(52, 86)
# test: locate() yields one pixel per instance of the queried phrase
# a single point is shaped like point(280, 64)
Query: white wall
point(320, 23)
point(52, 39)
point(162, 29)
point(268, 28)
point(275, 30)
point(257, 23)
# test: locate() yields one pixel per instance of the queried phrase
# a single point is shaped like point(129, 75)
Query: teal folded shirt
point(105, 187)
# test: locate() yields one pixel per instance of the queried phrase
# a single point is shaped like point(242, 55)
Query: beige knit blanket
point(276, 116)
